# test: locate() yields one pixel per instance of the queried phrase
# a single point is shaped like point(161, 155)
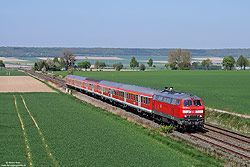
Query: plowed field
point(22, 84)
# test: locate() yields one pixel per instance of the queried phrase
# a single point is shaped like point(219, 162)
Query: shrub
point(142, 67)
point(166, 129)
point(71, 71)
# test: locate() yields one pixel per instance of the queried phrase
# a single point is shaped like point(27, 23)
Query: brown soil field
point(22, 84)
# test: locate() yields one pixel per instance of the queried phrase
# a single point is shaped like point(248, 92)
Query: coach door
point(139, 100)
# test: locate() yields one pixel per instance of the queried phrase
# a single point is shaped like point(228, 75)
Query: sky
point(190, 24)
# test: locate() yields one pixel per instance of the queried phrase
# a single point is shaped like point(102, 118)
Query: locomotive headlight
point(199, 111)
point(186, 111)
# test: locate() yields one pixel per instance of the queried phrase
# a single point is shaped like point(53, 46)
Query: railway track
point(210, 139)
point(233, 142)
point(242, 152)
point(238, 136)
point(60, 82)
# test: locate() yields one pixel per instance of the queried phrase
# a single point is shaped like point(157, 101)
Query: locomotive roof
point(135, 88)
point(177, 95)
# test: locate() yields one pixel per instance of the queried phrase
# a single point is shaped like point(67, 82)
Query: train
point(182, 110)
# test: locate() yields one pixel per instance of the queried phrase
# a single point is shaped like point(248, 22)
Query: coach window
point(148, 101)
point(136, 97)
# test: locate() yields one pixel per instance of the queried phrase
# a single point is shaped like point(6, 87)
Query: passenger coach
point(181, 109)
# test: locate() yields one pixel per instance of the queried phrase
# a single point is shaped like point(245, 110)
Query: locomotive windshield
point(187, 103)
point(197, 103)
point(191, 103)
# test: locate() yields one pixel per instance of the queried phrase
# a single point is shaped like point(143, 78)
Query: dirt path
point(223, 111)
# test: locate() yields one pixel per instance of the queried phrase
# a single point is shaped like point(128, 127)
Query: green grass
point(80, 134)
point(229, 121)
point(227, 90)
point(11, 73)
point(12, 146)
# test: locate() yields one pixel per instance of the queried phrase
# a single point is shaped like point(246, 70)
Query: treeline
point(178, 59)
point(67, 62)
point(53, 52)
point(229, 62)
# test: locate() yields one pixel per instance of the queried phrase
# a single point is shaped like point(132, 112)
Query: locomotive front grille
point(192, 116)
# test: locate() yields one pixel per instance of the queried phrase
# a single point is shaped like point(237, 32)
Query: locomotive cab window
point(197, 103)
point(173, 101)
point(187, 103)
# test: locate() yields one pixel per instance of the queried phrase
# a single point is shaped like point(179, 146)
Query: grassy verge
point(229, 121)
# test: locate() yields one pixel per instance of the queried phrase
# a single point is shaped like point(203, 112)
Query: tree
point(180, 58)
point(56, 60)
point(184, 66)
point(69, 58)
point(233, 62)
point(227, 63)
point(150, 62)
point(173, 66)
point(206, 63)
point(96, 64)
point(102, 64)
point(166, 65)
point(154, 66)
point(84, 64)
point(142, 67)
point(2, 64)
point(194, 65)
point(134, 63)
point(118, 66)
point(62, 62)
point(242, 62)
point(246, 63)
point(71, 71)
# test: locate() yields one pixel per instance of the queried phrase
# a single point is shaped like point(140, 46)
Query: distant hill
point(55, 51)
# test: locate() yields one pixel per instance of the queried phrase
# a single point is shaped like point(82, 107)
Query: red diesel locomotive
point(181, 109)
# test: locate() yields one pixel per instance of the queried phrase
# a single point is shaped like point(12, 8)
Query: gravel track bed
point(228, 135)
point(223, 144)
point(229, 140)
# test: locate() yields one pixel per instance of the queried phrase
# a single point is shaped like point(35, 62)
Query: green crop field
point(11, 73)
point(79, 134)
point(228, 90)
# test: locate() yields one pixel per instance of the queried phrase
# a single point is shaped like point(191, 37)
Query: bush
point(142, 67)
point(71, 71)
point(166, 129)
point(118, 66)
